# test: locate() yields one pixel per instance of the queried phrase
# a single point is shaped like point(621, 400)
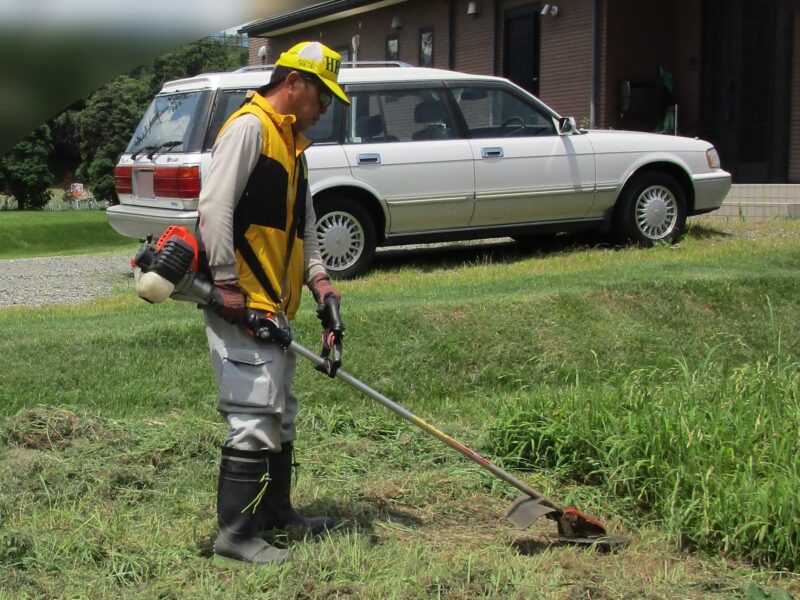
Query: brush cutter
point(574, 526)
point(169, 270)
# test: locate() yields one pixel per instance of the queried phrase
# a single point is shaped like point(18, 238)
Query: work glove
point(321, 288)
point(328, 299)
point(228, 301)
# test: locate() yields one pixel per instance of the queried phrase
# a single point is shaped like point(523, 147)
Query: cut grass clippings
point(655, 389)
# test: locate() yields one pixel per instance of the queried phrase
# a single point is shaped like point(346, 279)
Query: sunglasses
point(325, 96)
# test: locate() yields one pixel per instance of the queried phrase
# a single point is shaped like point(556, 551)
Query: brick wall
point(254, 43)
point(794, 101)
point(566, 42)
point(374, 27)
point(603, 102)
point(474, 38)
point(566, 59)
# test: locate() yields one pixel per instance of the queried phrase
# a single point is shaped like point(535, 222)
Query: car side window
point(496, 112)
point(402, 115)
point(326, 130)
point(227, 103)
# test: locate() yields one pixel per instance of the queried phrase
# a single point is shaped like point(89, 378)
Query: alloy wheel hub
point(656, 212)
point(341, 240)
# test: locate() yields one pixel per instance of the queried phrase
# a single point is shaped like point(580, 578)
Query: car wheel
point(652, 209)
point(346, 236)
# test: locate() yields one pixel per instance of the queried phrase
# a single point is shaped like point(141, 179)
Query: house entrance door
point(744, 101)
point(521, 47)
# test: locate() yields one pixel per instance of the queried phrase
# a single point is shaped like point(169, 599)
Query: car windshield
point(172, 118)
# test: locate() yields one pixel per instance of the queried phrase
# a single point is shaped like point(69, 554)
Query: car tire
point(652, 209)
point(346, 235)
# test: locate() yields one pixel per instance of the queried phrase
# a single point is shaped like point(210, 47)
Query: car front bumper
point(710, 190)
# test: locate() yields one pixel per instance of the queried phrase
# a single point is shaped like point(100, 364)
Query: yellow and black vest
point(269, 220)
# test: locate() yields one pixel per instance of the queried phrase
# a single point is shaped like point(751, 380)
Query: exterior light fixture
point(549, 9)
point(397, 23)
point(473, 8)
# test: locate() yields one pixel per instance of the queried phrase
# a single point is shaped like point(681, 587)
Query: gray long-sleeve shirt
point(233, 159)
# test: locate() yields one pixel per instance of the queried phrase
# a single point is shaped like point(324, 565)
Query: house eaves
point(317, 14)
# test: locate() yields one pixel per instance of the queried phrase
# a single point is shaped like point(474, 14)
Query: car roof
point(254, 77)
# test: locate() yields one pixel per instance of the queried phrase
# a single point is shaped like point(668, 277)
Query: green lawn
point(656, 389)
point(47, 233)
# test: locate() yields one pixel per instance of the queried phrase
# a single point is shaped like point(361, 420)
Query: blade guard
point(525, 510)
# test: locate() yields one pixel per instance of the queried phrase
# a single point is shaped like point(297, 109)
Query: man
point(257, 228)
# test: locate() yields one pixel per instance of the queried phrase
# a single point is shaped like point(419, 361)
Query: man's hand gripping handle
point(332, 335)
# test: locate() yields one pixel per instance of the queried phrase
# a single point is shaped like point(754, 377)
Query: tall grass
point(709, 450)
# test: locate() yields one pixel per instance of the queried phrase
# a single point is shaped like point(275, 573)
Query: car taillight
point(176, 182)
point(123, 180)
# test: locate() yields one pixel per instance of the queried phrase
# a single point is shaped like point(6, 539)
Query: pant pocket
point(246, 379)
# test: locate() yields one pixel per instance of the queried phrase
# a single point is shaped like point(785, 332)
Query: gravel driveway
point(61, 279)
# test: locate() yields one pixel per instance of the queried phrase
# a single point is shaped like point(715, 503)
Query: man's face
point(310, 100)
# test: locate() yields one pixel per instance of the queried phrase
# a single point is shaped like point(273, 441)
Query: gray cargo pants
point(254, 383)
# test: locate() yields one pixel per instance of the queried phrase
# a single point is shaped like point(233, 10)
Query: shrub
point(24, 172)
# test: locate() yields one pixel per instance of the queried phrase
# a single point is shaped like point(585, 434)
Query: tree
point(204, 56)
point(110, 115)
point(66, 156)
point(105, 125)
point(24, 172)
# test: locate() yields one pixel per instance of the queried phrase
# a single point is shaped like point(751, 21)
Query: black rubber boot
point(278, 512)
point(240, 496)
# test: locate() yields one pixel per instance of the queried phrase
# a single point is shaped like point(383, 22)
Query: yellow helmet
point(317, 59)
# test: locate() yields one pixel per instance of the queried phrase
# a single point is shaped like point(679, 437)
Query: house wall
point(565, 75)
point(794, 101)
point(254, 43)
point(374, 27)
point(474, 38)
point(602, 101)
point(634, 39)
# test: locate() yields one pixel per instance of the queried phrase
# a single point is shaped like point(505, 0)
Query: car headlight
point(712, 157)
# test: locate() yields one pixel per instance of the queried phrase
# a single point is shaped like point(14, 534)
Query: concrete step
point(759, 201)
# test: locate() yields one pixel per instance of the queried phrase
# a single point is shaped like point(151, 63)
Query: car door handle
point(369, 159)
point(494, 152)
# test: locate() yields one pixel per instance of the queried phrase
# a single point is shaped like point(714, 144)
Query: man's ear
point(293, 79)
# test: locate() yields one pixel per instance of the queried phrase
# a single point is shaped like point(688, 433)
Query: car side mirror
point(567, 125)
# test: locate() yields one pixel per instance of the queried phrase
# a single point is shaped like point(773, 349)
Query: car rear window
point(175, 121)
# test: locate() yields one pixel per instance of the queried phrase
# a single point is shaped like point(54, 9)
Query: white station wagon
point(427, 155)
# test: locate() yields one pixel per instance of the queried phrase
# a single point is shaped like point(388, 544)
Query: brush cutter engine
point(169, 269)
